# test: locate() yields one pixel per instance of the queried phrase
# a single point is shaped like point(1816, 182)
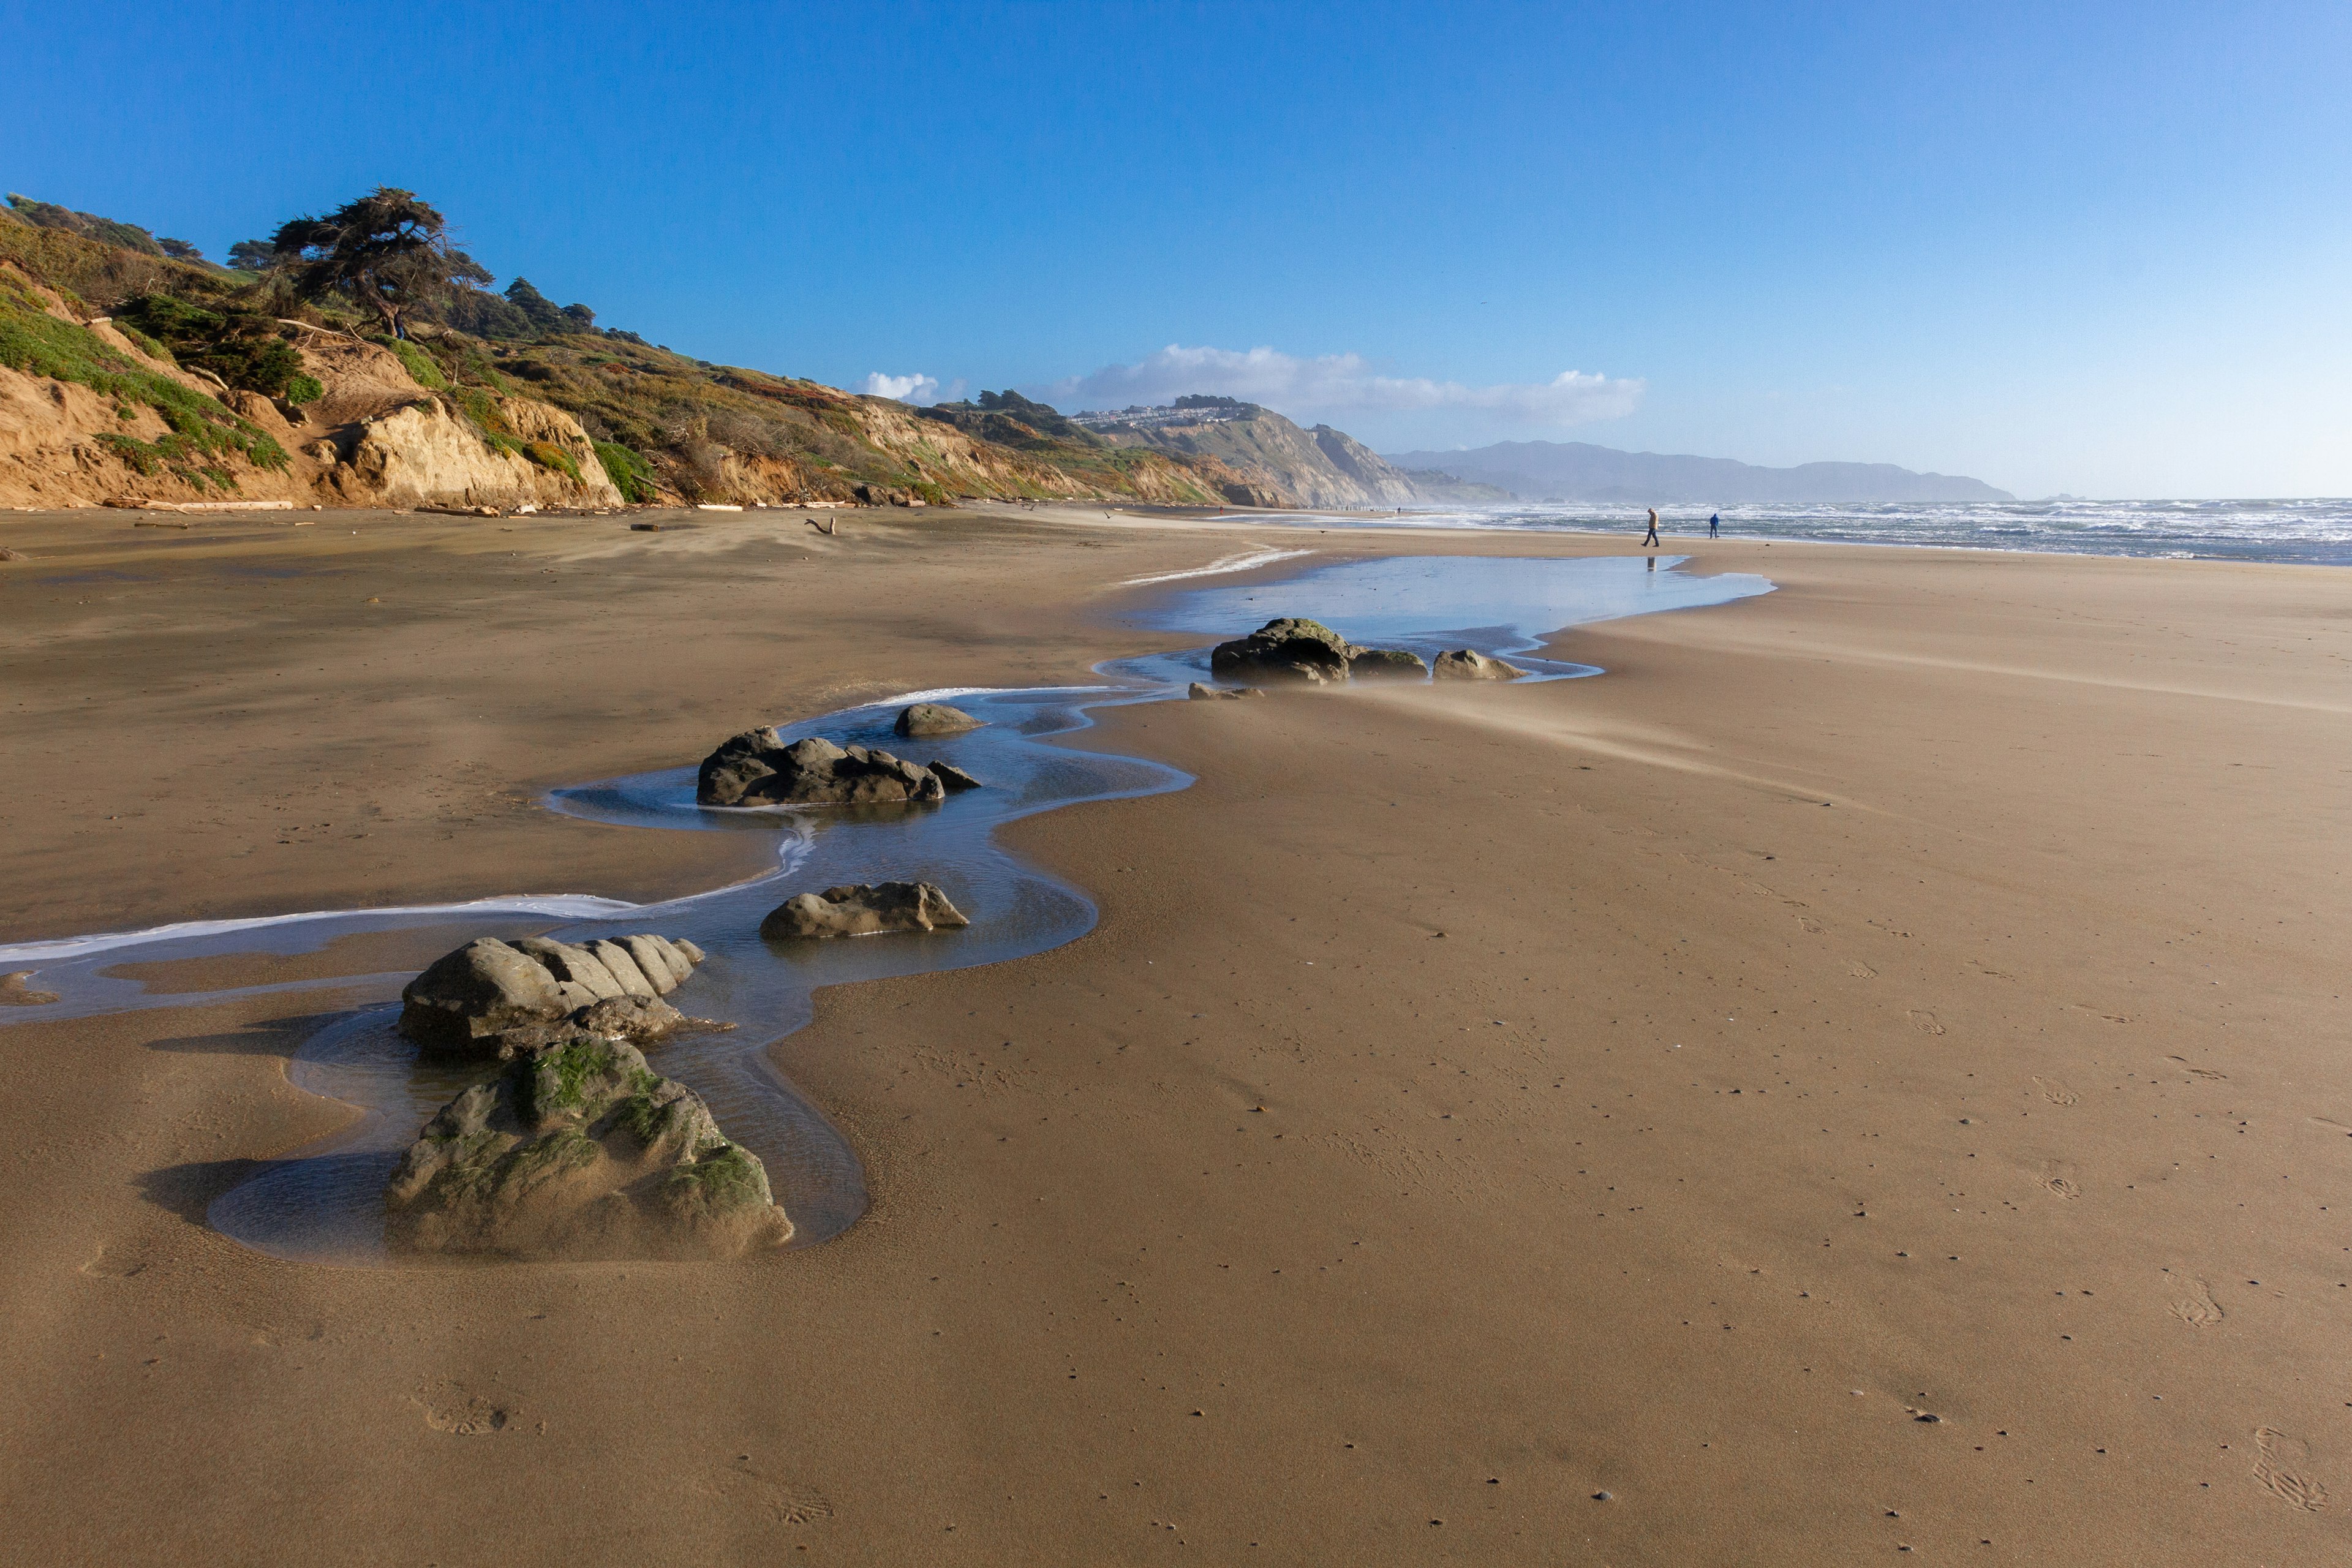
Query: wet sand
point(1915, 993)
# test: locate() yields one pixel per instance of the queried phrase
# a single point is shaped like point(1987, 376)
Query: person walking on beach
point(1715, 525)
point(1652, 537)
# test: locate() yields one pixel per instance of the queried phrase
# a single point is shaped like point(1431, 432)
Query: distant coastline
point(1579, 471)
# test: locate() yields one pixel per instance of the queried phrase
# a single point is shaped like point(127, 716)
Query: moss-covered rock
point(579, 1150)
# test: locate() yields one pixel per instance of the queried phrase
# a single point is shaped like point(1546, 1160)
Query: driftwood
point(327, 332)
point(829, 528)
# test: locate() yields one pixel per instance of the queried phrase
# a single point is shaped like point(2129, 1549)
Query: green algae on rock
point(579, 1150)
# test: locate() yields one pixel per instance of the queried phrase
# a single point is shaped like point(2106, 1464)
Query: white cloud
point(918, 388)
point(1338, 384)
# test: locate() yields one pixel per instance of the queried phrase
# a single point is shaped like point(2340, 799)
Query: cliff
point(130, 371)
point(94, 412)
point(1286, 464)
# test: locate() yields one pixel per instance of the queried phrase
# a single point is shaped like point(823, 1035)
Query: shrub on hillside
point(630, 474)
point(240, 346)
point(201, 432)
point(421, 367)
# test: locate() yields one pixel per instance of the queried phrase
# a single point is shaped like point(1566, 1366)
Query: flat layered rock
point(579, 1150)
point(758, 768)
point(934, 719)
point(492, 999)
point(1469, 664)
point(863, 909)
point(1201, 692)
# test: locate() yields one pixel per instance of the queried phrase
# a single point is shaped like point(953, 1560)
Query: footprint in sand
point(2055, 1181)
point(2197, 1309)
point(2056, 1093)
point(2275, 1469)
point(452, 1408)
point(1925, 1021)
point(119, 1267)
point(784, 1503)
point(1860, 970)
point(1807, 923)
point(2197, 1072)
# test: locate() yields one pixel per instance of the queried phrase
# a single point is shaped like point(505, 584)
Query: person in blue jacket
point(1715, 525)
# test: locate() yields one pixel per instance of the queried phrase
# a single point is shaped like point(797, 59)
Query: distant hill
point(1577, 472)
point(1282, 464)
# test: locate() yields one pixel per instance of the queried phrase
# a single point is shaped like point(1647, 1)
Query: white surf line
point(1218, 568)
point(937, 693)
point(556, 906)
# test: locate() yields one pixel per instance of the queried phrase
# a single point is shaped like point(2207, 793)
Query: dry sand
point(1918, 992)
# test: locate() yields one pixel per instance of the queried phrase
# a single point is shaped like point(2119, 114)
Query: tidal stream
point(324, 1203)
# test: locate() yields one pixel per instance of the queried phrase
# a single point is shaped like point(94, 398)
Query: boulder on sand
point(1204, 693)
point(492, 998)
point(15, 992)
point(953, 779)
point(934, 719)
point(1291, 650)
point(1469, 664)
point(579, 1150)
point(1385, 664)
point(757, 768)
point(863, 909)
point(1286, 649)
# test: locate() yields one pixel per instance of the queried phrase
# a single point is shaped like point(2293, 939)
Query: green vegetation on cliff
point(198, 429)
point(238, 345)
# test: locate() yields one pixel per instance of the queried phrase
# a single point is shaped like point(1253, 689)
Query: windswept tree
point(388, 251)
point(252, 256)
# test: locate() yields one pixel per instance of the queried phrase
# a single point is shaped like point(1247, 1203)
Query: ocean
point(2316, 532)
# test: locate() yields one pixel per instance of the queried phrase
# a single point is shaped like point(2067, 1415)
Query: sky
point(2093, 248)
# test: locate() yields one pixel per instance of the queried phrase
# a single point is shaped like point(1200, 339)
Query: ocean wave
point(2315, 529)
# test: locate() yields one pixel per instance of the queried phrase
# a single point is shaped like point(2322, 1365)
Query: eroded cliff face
point(422, 453)
point(1277, 463)
point(960, 463)
point(106, 427)
point(113, 427)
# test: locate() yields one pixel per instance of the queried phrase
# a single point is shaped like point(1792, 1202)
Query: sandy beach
point(1860, 1076)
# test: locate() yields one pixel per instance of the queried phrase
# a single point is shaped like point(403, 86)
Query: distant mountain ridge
point(1281, 464)
point(1579, 471)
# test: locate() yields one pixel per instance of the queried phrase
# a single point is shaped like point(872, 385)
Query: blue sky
point(2097, 249)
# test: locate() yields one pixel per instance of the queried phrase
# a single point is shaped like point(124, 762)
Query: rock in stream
point(492, 999)
point(758, 768)
point(579, 1150)
point(865, 908)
